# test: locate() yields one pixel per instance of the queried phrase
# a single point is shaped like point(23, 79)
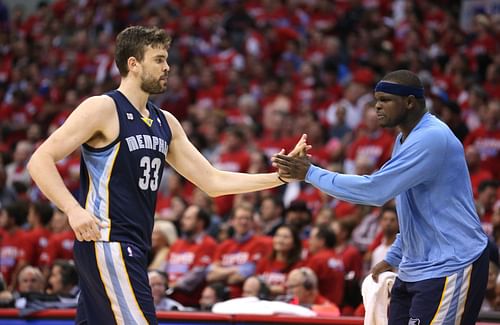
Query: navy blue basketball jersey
point(119, 182)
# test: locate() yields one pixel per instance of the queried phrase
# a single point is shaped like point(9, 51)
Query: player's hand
point(292, 167)
point(85, 226)
point(300, 149)
point(380, 267)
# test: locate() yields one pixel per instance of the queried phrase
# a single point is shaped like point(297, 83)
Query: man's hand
point(300, 149)
point(85, 226)
point(292, 167)
point(380, 268)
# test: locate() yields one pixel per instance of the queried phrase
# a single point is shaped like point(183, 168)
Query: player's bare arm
point(191, 164)
point(94, 122)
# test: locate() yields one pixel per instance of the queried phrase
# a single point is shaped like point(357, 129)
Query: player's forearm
point(42, 169)
point(223, 183)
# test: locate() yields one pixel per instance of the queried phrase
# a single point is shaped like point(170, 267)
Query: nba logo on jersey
point(129, 251)
point(159, 121)
point(130, 116)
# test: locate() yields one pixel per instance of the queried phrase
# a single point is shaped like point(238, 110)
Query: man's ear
point(411, 102)
point(132, 63)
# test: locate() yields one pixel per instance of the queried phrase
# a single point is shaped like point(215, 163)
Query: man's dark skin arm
point(292, 167)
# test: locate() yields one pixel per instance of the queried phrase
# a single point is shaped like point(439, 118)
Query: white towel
point(254, 306)
point(376, 297)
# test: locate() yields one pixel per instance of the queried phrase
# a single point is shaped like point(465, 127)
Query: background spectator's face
point(251, 287)
point(157, 284)
point(283, 240)
point(324, 216)
point(371, 119)
point(189, 220)
point(267, 210)
point(59, 221)
point(30, 281)
point(488, 197)
point(472, 157)
point(315, 244)
point(158, 239)
point(295, 286)
point(242, 221)
point(294, 218)
point(55, 280)
point(389, 223)
point(208, 298)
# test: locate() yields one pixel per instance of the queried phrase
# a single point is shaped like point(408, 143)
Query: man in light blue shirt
point(441, 249)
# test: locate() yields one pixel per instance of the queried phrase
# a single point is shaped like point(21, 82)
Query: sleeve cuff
point(314, 174)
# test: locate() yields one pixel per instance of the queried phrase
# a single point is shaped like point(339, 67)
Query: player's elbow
point(381, 199)
point(212, 193)
point(32, 163)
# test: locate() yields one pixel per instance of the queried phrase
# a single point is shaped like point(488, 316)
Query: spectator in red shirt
point(236, 258)
point(303, 286)
point(234, 157)
point(285, 256)
point(350, 255)
point(190, 256)
point(486, 139)
point(12, 241)
point(37, 238)
point(60, 245)
point(477, 174)
point(326, 264)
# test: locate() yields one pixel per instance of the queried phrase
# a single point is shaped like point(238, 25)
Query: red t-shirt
point(184, 256)
point(60, 246)
point(274, 272)
point(37, 240)
point(12, 250)
point(234, 253)
point(329, 269)
point(488, 145)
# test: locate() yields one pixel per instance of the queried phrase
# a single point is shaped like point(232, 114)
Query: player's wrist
point(67, 210)
point(281, 179)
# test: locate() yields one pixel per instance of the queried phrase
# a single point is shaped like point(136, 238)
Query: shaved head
point(404, 77)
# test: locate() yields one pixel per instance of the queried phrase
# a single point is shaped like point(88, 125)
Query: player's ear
point(132, 64)
point(411, 102)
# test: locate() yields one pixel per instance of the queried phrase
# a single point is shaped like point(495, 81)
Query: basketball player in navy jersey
point(126, 141)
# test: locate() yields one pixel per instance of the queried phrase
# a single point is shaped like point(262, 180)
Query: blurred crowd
point(247, 78)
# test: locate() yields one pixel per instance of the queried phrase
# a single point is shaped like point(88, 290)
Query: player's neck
point(411, 122)
point(136, 96)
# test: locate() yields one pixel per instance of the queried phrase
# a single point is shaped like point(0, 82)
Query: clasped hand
point(295, 165)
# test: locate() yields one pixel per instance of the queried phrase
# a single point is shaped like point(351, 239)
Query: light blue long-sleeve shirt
point(440, 232)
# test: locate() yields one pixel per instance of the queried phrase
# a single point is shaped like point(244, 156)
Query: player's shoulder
point(171, 119)
point(101, 104)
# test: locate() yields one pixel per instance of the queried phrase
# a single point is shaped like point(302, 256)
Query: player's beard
point(153, 86)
